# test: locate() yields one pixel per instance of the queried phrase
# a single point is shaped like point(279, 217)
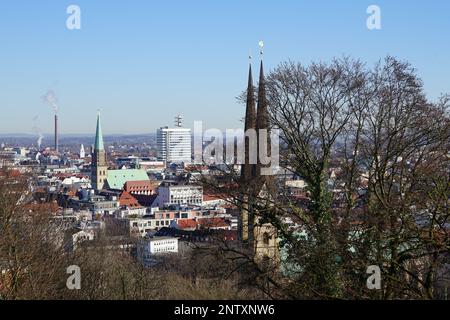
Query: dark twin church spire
point(258, 121)
point(248, 169)
point(262, 124)
point(255, 232)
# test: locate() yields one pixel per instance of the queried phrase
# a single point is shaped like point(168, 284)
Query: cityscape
point(324, 179)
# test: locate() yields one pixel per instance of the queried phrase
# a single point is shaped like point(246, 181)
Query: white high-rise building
point(174, 144)
point(82, 152)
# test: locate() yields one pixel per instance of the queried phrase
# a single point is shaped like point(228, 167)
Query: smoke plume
point(51, 99)
point(38, 131)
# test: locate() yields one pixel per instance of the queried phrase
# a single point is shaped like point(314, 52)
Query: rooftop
point(117, 178)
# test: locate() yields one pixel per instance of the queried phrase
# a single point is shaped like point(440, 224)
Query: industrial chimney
point(56, 133)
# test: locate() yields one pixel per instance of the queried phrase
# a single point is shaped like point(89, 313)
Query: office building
point(174, 144)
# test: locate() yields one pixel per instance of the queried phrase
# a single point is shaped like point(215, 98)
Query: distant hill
point(27, 140)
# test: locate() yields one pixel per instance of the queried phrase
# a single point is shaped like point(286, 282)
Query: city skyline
point(204, 153)
point(142, 64)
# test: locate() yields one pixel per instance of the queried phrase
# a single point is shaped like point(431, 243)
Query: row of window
point(189, 196)
point(168, 215)
point(139, 188)
point(160, 243)
point(186, 190)
point(182, 201)
point(164, 249)
point(149, 224)
point(166, 222)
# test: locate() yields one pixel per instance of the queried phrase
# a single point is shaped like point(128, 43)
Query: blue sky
point(143, 61)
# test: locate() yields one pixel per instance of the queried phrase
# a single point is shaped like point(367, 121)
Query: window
point(266, 238)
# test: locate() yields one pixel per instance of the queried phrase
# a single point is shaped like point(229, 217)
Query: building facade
point(142, 226)
point(147, 249)
point(190, 195)
point(82, 152)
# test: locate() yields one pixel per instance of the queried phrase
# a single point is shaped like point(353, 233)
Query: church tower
point(82, 152)
point(248, 170)
point(99, 164)
point(255, 231)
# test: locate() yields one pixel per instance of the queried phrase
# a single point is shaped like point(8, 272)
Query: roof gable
point(128, 200)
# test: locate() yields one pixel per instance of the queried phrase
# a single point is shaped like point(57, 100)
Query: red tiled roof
point(187, 224)
point(127, 200)
point(212, 222)
point(131, 186)
point(63, 176)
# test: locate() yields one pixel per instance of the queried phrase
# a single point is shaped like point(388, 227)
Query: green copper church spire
point(99, 164)
point(99, 135)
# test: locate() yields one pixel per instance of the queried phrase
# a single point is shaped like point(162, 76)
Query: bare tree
point(31, 250)
point(373, 152)
point(405, 153)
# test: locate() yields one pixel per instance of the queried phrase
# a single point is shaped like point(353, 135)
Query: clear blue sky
point(143, 61)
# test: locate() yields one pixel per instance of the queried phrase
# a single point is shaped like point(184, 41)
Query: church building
point(255, 231)
point(137, 180)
